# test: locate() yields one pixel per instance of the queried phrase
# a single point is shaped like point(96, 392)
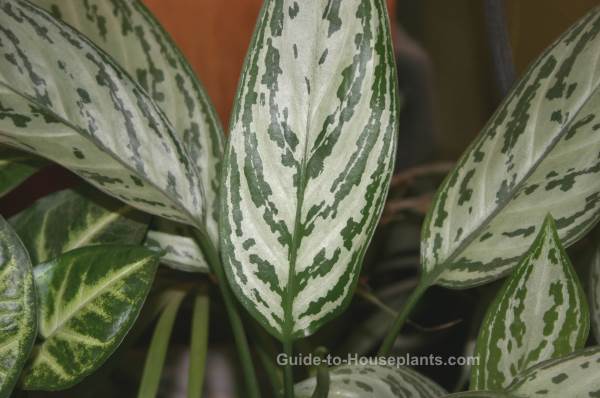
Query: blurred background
point(456, 60)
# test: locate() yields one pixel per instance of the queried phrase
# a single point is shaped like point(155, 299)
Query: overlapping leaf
point(70, 219)
point(127, 31)
point(573, 376)
point(540, 313)
point(594, 289)
point(88, 300)
point(179, 248)
point(309, 159)
point(15, 168)
point(374, 382)
point(17, 308)
point(64, 99)
point(538, 154)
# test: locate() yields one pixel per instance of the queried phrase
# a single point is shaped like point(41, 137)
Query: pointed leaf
point(540, 313)
point(572, 376)
point(537, 155)
point(64, 99)
point(179, 248)
point(71, 219)
point(133, 37)
point(15, 168)
point(88, 301)
point(17, 308)
point(375, 382)
point(309, 159)
point(595, 295)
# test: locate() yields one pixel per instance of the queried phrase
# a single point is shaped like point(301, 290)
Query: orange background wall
point(214, 35)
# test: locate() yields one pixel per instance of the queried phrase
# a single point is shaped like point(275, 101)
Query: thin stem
point(411, 301)
point(157, 352)
point(371, 298)
point(499, 42)
point(198, 346)
point(237, 327)
point(288, 376)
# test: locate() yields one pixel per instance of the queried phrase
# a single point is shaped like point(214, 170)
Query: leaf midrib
point(106, 150)
point(96, 228)
point(95, 292)
point(447, 264)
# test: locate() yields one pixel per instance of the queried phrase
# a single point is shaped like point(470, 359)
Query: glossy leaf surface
point(75, 218)
point(88, 301)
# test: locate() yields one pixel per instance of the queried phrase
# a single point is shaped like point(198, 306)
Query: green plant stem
point(198, 346)
point(288, 375)
point(411, 301)
point(237, 327)
point(322, 387)
point(157, 352)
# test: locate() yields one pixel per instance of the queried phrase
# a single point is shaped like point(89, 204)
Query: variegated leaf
point(594, 290)
point(481, 394)
point(309, 159)
point(66, 100)
point(374, 382)
point(127, 31)
point(572, 376)
point(537, 155)
point(17, 308)
point(88, 301)
point(179, 248)
point(540, 313)
point(71, 219)
point(15, 168)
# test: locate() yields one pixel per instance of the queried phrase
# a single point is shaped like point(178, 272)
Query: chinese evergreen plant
point(283, 216)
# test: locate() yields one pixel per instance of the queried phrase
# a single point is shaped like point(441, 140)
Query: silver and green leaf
point(127, 31)
point(88, 300)
point(177, 245)
point(17, 308)
point(540, 313)
point(573, 376)
point(538, 154)
point(64, 99)
point(372, 381)
point(310, 155)
point(15, 168)
point(75, 218)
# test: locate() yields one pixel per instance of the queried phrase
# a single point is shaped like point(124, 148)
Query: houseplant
point(282, 217)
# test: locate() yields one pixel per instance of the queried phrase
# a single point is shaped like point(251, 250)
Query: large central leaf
point(64, 99)
point(537, 155)
point(309, 159)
